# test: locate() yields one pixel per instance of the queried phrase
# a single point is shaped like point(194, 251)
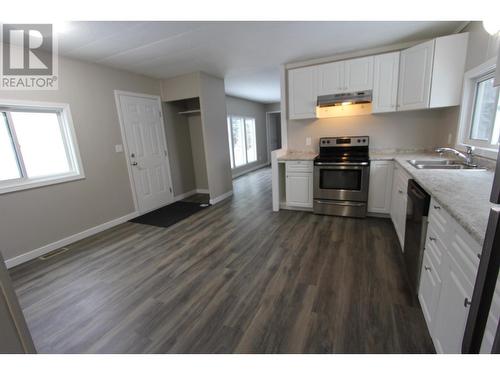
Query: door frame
point(268, 134)
point(118, 94)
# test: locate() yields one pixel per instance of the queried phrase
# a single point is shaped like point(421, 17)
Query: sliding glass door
point(242, 140)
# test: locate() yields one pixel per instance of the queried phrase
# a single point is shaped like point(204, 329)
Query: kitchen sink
point(441, 164)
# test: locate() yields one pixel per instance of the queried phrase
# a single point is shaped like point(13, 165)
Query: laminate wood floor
point(233, 278)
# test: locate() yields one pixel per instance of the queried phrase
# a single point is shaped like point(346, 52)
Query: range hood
point(358, 97)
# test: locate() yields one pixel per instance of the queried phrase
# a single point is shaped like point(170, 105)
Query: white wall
point(214, 120)
point(410, 130)
point(198, 150)
point(35, 217)
point(243, 107)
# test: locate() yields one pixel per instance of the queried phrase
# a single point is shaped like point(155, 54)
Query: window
point(242, 140)
point(37, 146)
point(480, 116)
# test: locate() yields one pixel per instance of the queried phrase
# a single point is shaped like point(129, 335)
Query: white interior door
point(142, 123)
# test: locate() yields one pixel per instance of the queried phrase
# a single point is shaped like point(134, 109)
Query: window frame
point(471, 79)
point(231, 143)
point(69, 140)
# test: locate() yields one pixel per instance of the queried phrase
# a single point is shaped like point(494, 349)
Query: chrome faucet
point(467, 157)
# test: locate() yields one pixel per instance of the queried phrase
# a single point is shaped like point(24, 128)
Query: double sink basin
point(441, 164)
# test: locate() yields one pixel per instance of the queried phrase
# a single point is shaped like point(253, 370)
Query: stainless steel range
point(341, 176)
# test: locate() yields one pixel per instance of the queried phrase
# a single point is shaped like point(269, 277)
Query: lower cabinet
point(399, 202)
point(430, 287)
point(445, 289)
point(299, 184)
point(380, 189)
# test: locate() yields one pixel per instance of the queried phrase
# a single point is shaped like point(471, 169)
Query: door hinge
point(170, 189)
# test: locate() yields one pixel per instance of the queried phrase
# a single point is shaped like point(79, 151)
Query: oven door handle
point(340, 203)
point(342, 167)
point(362, 164)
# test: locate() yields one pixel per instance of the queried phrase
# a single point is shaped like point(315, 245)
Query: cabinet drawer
point(439, 219)
point(435, 247)
point(299, 166)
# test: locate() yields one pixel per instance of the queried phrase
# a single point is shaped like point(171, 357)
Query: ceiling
point(246, 54)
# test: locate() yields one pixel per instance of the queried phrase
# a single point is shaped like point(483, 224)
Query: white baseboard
point(12, 262)
point(189, 193)
point(221, 197)
point(238, 174)
point(184, 195)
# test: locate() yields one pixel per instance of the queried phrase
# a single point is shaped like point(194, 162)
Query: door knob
point(427, 268)
point(134, 163)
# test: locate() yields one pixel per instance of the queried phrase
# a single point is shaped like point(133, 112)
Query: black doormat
point(171, 214)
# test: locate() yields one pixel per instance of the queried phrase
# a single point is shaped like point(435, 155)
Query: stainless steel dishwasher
point(416, 230)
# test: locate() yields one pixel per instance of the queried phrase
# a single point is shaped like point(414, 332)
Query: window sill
point(16, 185)
point(489, 153)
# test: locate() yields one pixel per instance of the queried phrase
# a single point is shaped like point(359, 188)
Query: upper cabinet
point(302, 94)
point(359, 74)
point(330, 78)
point(345, 76)
point(431, 73)
point(385, 82)
point(428, 75)
point(415, 76)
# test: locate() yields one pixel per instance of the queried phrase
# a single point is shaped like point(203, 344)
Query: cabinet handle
point(467, 302)
point(437, 207)
point(432, 238)
point(427, 268)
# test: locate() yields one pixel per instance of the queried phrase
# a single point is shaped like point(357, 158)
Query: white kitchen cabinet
point(385, 82)
point(452, 312)
point(448, 70)
point(429, 290)
point(447, 279)
point(415, 76)
point(431, 73)
point(302, 93)
point(492, 322)
point(380, 189)
point(345, 76)
point(359, 74)
point(331, 78)
point(399, 202)
point(299, 184)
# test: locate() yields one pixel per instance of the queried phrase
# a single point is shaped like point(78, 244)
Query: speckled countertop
point(463, 193)
point(298, 155)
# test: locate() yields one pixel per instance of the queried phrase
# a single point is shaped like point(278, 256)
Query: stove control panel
point(344, 141)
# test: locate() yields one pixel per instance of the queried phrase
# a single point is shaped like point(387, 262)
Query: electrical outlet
point(308, 141)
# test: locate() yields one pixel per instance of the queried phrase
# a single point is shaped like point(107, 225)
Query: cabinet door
point(415, 76)
point(302, 93)
point(359, 74)
point(385, 82)
point(429, 290)
point(398, 204)
point(380, 190)
point(452, 312)
point(330, 78)
point(299, 189)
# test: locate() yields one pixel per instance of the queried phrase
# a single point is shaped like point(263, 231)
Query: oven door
point(341, 182)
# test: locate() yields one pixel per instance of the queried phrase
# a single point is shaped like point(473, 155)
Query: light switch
point(118, 148)
point(308, 141)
